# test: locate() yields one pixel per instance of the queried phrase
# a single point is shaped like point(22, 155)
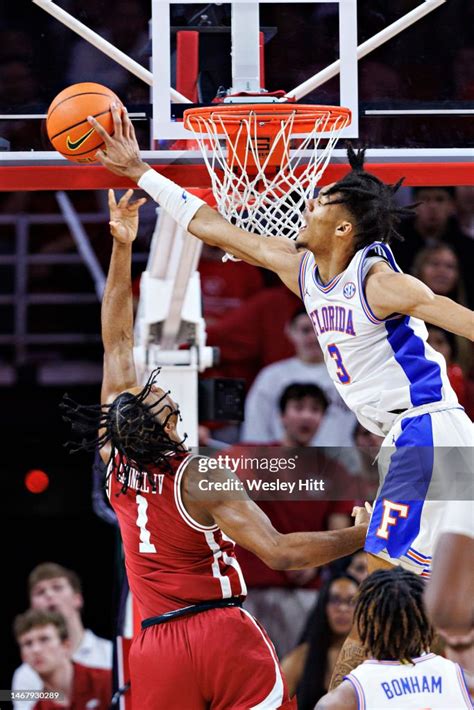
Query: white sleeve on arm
point(180, 204)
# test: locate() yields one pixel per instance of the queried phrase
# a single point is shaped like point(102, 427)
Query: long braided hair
point(370, 201)
point(390, 616)
point(135, 430)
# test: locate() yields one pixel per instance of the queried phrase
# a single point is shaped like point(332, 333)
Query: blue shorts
point(422, 463)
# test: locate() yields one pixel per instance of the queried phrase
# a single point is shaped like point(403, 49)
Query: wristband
point(179, 203)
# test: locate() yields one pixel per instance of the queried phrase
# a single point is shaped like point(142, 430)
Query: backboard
point(404, 69)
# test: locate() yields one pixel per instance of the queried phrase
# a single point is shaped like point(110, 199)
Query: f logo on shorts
point(388, 519)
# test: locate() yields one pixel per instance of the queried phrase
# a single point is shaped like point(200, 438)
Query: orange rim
point(305, 119)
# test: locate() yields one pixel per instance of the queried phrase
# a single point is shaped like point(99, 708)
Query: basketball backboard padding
point(421, 171)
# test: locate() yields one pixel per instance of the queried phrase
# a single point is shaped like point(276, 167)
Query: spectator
point(445, 343)
point(253, 335)
point(45, 646)
point(465, 209)
point(225, 286)
point(354, 565)
point(308, 668)
point(281, 600)
point(357, 567)
point(438, 267)
point(435, 223)
point(262, 423)
point(54, 588)
point(302, 411)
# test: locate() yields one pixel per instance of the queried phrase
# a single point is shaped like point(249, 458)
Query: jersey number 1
point(341, 371)
point(142, 519)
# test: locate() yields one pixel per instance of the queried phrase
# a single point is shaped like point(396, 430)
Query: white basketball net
point(259, 201)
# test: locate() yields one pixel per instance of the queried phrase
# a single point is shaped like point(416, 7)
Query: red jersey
point(91, 688)
point(172, 561)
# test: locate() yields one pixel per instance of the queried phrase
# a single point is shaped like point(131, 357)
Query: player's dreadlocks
point(370, 201)
point(138, 440)
point(390, 616)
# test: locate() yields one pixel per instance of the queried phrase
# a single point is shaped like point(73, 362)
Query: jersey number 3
point(341, 371)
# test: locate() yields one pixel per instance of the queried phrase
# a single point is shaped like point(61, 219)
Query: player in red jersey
point(198, 648)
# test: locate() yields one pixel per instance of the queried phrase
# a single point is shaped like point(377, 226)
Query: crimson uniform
point(218, 658)
point(91, 688)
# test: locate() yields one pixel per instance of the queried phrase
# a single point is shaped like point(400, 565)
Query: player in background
point(400, 672)
point(369, 320)
point(449, 596)
point(198, 648)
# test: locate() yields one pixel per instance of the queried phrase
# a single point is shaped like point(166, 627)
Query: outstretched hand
point(124, 217)
point(121, 154)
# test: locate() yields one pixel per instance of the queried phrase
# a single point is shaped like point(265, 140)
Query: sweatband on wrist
point(181, 205)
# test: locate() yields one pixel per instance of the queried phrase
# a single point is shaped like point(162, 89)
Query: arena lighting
point(36, 481)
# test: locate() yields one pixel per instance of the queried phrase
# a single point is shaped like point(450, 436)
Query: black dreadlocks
point(390, 616)
point(138, 440)
point(370, 201)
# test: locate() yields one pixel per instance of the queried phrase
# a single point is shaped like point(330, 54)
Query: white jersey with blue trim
point(379, 367)
point(430, 682)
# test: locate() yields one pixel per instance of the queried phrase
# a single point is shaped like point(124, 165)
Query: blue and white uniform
point(397, 386)
point(432, 682)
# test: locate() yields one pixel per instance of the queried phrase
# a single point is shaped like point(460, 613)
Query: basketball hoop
point(265, 159)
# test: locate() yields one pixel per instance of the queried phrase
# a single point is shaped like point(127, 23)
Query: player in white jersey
point(449, 596)
point(368, 317)
point(401, 672)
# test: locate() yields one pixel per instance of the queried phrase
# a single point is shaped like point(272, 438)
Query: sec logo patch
point(349, 289)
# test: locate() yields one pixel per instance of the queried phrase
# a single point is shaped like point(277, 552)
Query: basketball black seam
point(69, 128)
point(83, 93)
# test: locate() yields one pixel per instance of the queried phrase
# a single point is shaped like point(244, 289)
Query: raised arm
point(117, 302)
point(122, 157)
point(390, 292)
point(247, 525)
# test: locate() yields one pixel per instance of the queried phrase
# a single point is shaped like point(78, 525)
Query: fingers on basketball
point(117, 121)
point(100, 130)
point(126, 124)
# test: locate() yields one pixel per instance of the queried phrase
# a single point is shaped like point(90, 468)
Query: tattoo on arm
point(351, 655)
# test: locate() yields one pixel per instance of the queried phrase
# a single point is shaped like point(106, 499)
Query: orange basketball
point(68, 129)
